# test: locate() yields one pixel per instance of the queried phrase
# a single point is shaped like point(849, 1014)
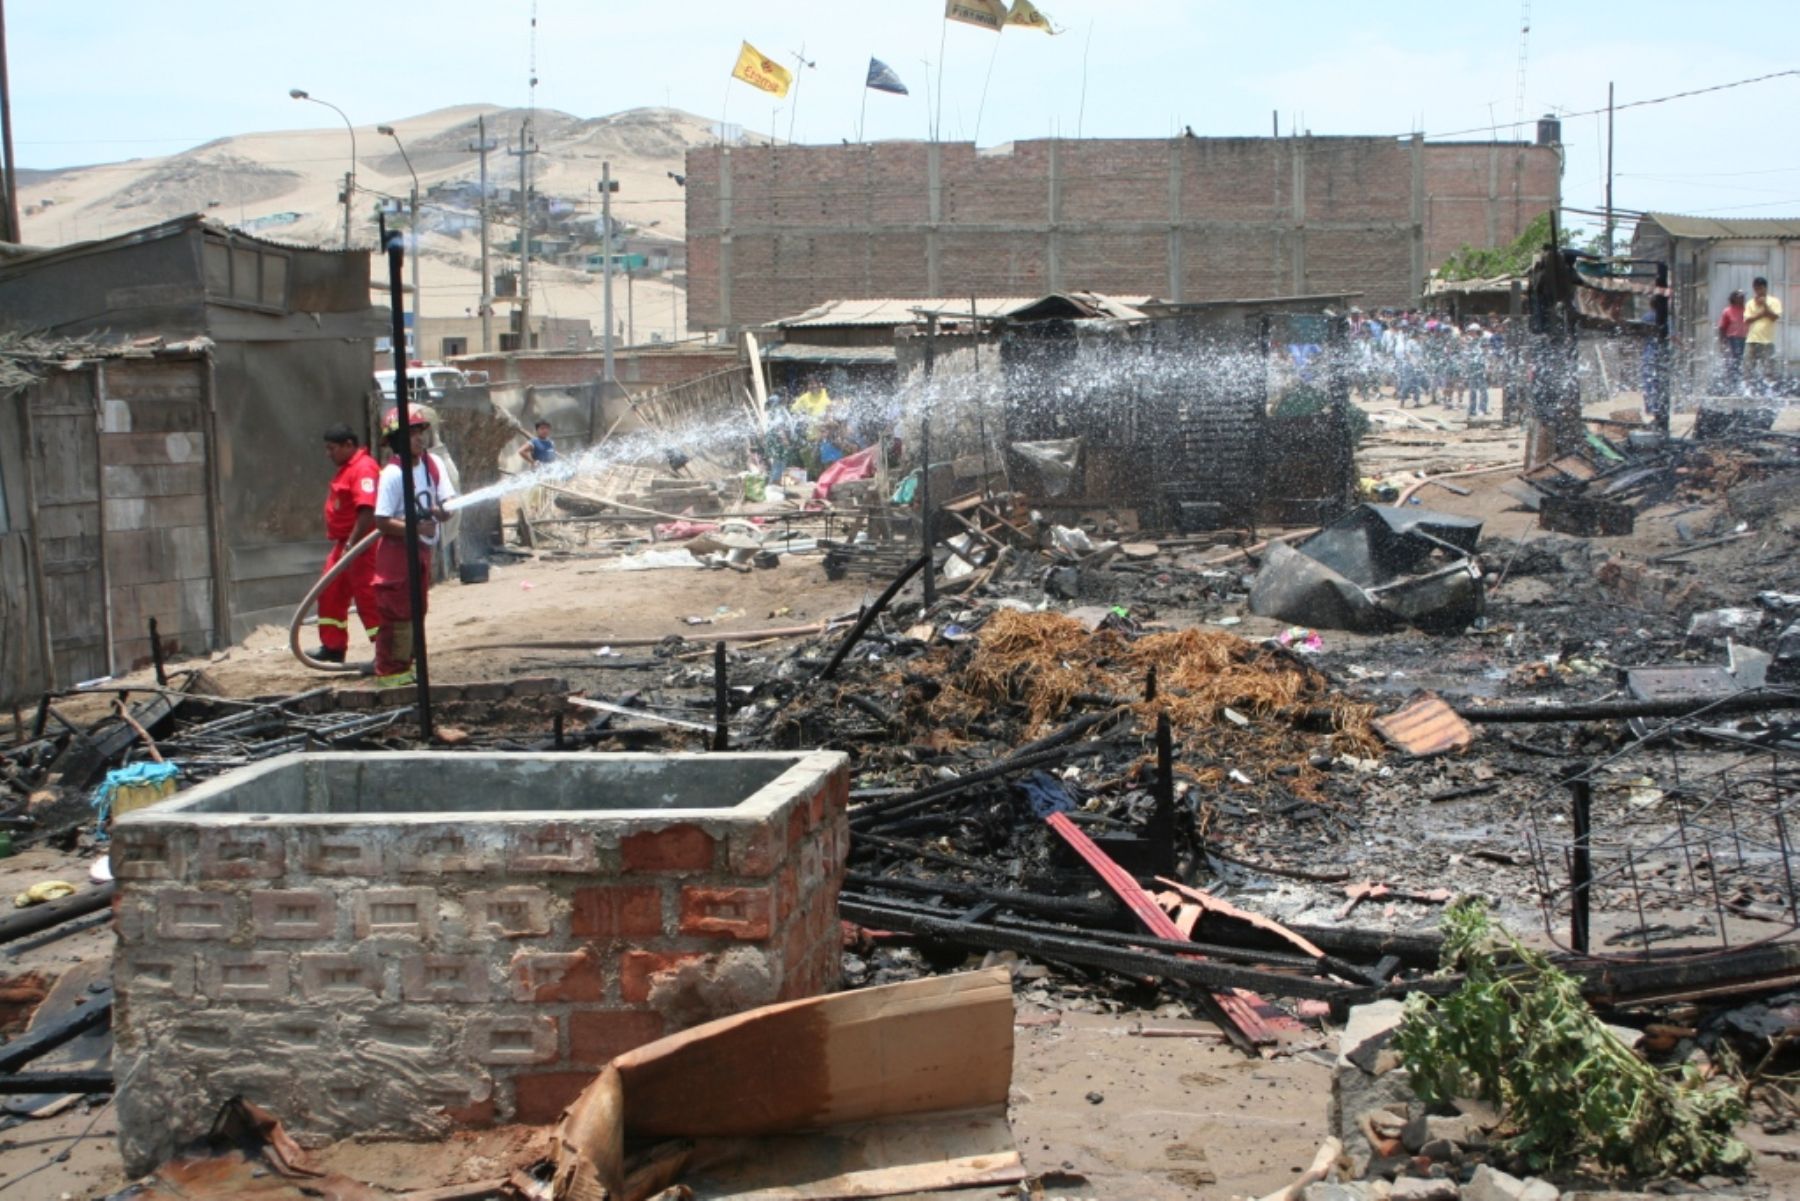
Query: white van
point(429, 381)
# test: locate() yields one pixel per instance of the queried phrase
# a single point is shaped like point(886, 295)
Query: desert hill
point(285, 185)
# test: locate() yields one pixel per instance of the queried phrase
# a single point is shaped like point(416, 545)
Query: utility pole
point(630, 312)
point(1609, 169)
point(607, 188)
point(481, 147)
point(525, 151)
point(9, 176)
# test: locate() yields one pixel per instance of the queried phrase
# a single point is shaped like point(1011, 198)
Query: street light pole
point(413, 226)
point(350, 179)
point(608, 186)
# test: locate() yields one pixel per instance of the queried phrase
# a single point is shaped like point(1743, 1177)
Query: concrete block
point(339, 853)
point(241, 854)
point(339, 976)
point(448, 847)
point(560, 847)
point(158, 973)
point(400, 913)
point(244, 975)
point(455, 979)
point(293, 913)
point(150, 856)
point(512, 1038)
point(183, 913)
point(521, 911)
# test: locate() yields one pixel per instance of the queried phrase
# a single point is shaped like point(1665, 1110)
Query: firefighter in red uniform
point(432, 490)
point(349, 516)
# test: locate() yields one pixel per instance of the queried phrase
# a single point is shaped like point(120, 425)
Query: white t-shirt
point(390, 502)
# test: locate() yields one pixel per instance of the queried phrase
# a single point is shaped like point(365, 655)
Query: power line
point(1717, 87)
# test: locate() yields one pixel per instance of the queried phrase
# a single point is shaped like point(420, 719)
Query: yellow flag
point(760, 71)
point(988, 14)
point(1025, 13)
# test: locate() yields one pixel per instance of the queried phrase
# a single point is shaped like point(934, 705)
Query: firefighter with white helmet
point(432, 490)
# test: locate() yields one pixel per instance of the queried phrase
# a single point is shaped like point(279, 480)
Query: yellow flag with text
point(988, 14)
point(760, 71)
point(1026, 14)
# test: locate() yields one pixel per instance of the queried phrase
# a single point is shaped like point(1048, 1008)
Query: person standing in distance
point(1761, 317)
point(349, 516)
point(432, 491)
point(541, 450)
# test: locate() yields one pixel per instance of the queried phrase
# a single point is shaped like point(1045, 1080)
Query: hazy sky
point(105, 80)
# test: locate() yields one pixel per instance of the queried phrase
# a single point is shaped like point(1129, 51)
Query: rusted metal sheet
point(1252, 1016)
point(1425, 725)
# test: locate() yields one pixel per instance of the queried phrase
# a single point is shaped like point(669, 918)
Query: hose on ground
point(311, 598)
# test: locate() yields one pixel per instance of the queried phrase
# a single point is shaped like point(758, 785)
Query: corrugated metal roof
point(890, 310)
point(1727, 228)
point(1472, 287)
point(800, 352)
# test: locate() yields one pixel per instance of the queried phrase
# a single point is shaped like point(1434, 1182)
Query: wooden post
point(721, 700)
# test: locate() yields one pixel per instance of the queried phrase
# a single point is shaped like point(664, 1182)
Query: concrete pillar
point(1417, 273)
point(1297, 247)
point(724, 237)
point(1493, 197)
point(1175, 264)
point(1053, 243)
point(934, 202)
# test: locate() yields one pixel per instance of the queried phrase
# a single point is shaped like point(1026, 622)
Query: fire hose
point(312, 597)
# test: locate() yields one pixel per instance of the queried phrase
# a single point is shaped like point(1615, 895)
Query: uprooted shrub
point(1518, 1033)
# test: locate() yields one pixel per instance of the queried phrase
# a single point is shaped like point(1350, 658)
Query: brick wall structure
point(407, 970)
point(774, 230)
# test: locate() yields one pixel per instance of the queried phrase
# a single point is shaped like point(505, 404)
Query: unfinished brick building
point(773, 230)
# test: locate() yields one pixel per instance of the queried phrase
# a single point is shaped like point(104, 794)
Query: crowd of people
point(1427, 359)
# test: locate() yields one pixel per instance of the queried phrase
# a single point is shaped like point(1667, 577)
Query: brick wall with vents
point(405, 975)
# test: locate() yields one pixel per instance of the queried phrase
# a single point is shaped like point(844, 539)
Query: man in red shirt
point(349, 517)
point(1733, 328)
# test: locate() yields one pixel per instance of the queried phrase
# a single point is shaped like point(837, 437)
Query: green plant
point(1515, 258)
point(1518, 1033)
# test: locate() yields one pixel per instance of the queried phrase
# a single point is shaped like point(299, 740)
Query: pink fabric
point(859, 466)
point(681, 531)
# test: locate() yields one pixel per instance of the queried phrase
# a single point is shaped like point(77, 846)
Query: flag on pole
point(883, 79)
point(988, 14)
point(1025, 13)
point(760, 71)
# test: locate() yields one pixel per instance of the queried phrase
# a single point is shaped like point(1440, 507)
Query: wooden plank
point(937, 1044)
point(180, 446)
point(151, 479)
point(142, 416)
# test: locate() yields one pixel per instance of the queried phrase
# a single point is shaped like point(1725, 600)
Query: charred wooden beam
point(1089, 953)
